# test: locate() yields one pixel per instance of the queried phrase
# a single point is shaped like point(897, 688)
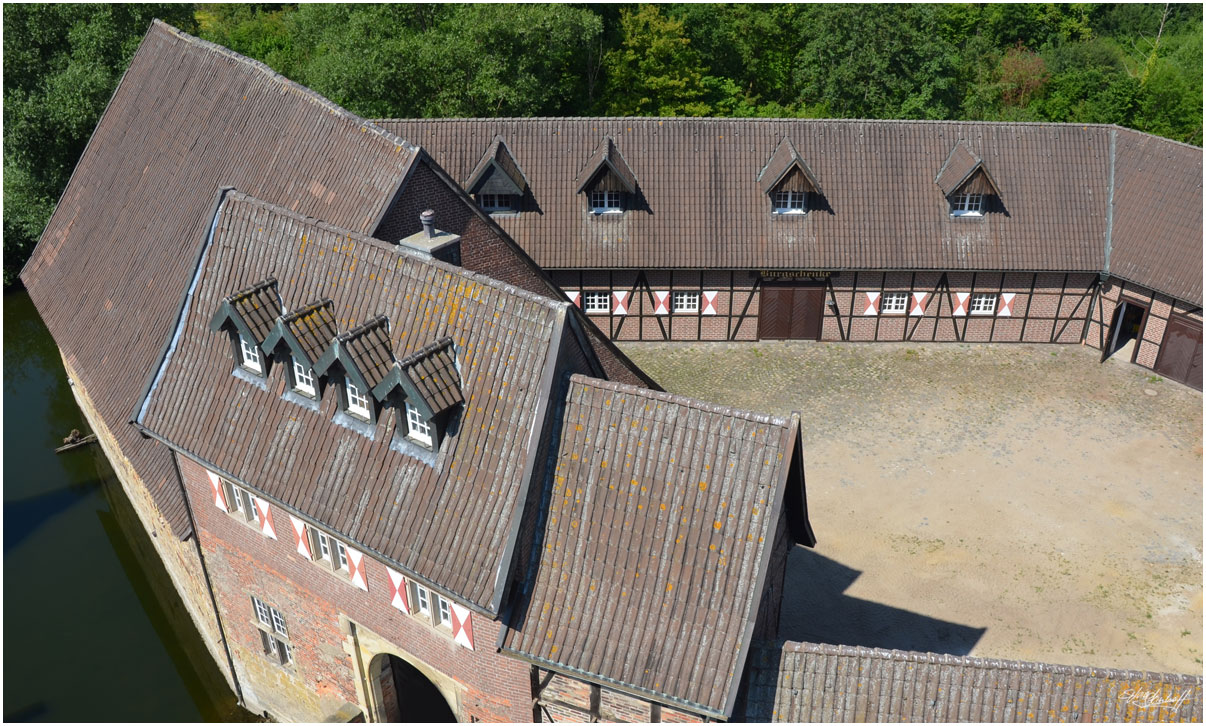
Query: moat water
point(93, 630)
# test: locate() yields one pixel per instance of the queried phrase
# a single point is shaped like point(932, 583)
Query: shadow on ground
point(816, 609)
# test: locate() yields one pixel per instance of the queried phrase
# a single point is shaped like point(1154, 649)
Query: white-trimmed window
point(422, 600)
point(273, 633)
point(685, 302)
point(604, 202)
point(496, 202)
point(358, 403)
point(417, 427)
point(443, 612)
point(251, 355)
point(983, 303)
point(967, 205)
point(303, 379)
point(895, 302)
point(330, 552)
point(788, 202)
point(596, 302)
point(240, 503)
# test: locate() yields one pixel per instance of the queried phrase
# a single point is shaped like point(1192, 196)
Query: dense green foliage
point(1135, 65)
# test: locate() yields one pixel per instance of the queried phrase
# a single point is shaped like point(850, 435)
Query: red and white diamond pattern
point(356, 568)
point(219, 495)
point(1007, 304)
point(575, 297)
point(709, 302)
point(919, 299)
point(872, 303)
point(961, 303)
point(397, 590)
point(661, 302)
point(265, 516)
point(299, 534)
point(462, 626)
point(621, 302)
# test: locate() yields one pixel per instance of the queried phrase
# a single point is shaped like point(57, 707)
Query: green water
point(93, 630)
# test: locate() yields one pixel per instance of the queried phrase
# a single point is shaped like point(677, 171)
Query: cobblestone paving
point(1014, 501)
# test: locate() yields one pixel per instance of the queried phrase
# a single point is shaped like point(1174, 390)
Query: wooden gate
point(791, 312)
point(1181, 352)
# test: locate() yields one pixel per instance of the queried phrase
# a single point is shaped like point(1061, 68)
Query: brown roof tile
point(432, 371)
point(447, 523)
point(811, 682)
point(606, 158)
point(660, 517)
point(188, 118)
point(259, 306)
point(497, 156)
point(781, 162)
point(314, 327)
point(370, 349)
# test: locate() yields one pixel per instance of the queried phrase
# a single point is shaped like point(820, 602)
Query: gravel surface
point(1011, 501)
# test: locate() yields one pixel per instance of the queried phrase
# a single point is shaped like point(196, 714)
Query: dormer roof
point(606, 159)
point(964, 171)
point(781, 164)
point(432, 373)
point(253, 310)
point(364, 352)
point(308, 331)
point(497, 172)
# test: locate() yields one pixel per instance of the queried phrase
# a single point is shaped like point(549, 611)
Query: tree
point(61, 66)
point(654, 71)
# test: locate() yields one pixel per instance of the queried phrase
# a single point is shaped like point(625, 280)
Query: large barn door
point(1181, 352)
point(791, 312)
point(774, 313)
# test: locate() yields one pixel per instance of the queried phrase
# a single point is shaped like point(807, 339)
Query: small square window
point(597, 302)
point(788, 202)
point(605, 202)
point(358, 403)
point(685, 302)
point(303, 379)
point(417, 427)
point(983, 303)
point(967, 205)
point(895, 302)
point(251, 355)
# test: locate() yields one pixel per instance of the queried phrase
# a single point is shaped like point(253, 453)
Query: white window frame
point(262, 611)
point(603, 201)
point(358, 403)
point(324, 548)
point(418, 429)
point(330, 552)
point(278, 622)
point(341, 552)
point(422, 600)
point(241, 503)
point(496, 202)
point(898, 306)
point(443, 612)
point(789, 202)
point(274, 633)
point(967, 205)
point(684, 301)
point(978, 300)
point(303, 379)
point(250, 355)
point(595, 302)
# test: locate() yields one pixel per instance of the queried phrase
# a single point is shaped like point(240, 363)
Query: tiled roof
point(259, 306)
point(606, 157)
point(661, 513)
point(497, 155)
point(706, 209)
point(810, 682)
point(781, 162)
point(432, 371)
point(959, 165)
point(370, 349)
point(1157, 235)
point(313, 326)
point(448, 523)
point(188, 118)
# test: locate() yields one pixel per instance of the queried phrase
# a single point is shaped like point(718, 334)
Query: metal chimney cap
point(427, 218)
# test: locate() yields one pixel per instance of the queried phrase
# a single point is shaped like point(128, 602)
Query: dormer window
point(303, 379)
point(357, 401)
point(250, 353)
point(606, 202)
point(496, 202)
point(967, 205)
point(497, 182)
point(417, 428)
point(790, 202)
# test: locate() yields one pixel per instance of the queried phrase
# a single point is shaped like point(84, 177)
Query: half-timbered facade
point(749, 229)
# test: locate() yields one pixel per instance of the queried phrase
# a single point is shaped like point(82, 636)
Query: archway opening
point(405, 695)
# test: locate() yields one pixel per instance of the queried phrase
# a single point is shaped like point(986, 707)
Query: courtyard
point(1002, 501)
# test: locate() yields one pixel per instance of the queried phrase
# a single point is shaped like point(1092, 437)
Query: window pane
point(278, 622)
point(343, 555)
point(417, 426)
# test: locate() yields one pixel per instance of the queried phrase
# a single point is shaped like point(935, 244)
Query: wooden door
point(791, 312)
point(808, 307)
point(1181, 352)
point(774, 313)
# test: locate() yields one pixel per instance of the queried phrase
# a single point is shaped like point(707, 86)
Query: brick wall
point(317, 605)
point(1159, 308)
point(614, 706)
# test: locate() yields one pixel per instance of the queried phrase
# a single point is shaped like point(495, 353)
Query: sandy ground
point(1010, 501)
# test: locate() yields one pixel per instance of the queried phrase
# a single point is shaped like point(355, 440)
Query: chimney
point(427, 218)
point(433, 243)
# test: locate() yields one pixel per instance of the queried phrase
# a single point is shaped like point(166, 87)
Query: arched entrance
point(404, 695)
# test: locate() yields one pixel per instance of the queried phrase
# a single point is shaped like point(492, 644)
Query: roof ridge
point(364, 327)
point(308, 308)
point(678, 399)
point(426, 350)
point(251, 289)
point(974, 661)
point(399, 250)
point(267, 70)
